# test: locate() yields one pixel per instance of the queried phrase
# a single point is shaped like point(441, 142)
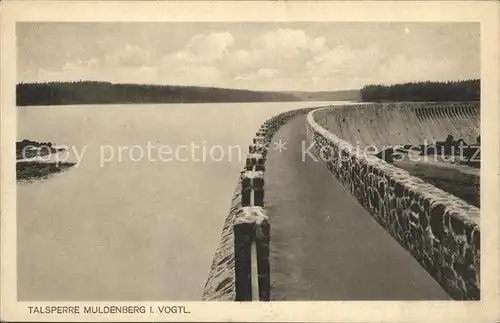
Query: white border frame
point(485, 12)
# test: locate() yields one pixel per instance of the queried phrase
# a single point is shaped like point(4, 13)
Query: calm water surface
point(124, 229)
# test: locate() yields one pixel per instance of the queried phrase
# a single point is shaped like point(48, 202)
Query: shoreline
point(30, 168)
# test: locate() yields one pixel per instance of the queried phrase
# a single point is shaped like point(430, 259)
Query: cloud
point(124, 63)
point(202, 49)
point(79, 64)
point(129, 56)
point(283, 59)
point(284, 43)
point(286, 50)
point(209, 47)
point(343, 60)
point(289, 43)
point(402, 68)
point(267, 72)
point(199, 62)
point(192, 75)
point(345, 67)
point(261, 74)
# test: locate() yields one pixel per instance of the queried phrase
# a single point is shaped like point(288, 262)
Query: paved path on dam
point(324, 245)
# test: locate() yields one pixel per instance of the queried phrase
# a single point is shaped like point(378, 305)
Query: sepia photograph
point(160, 163)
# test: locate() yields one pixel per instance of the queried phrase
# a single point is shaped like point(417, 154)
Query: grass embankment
point(449, 178)
point(450, 165)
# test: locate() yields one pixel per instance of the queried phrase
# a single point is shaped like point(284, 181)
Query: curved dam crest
point(439, 230)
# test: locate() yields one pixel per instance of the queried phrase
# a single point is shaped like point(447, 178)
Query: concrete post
point(246, 188)
point(258, 189)
point(258, 149)
point(254, 160)
point(259, 140)
point(251, 224)
point(243, 236)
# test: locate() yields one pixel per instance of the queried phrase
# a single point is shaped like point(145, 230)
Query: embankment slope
point(392, 124)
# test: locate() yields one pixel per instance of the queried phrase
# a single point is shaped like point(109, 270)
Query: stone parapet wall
point(440, 230)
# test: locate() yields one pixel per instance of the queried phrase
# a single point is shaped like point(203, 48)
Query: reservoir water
point(125, 227)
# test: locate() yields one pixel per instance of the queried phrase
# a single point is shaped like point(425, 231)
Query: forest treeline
point(467, 90)
point(92, 92)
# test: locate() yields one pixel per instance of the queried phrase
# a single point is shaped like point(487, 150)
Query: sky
point(295, 56)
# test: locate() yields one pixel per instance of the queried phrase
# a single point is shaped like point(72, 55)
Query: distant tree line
point(468, 90)
point(93, 92)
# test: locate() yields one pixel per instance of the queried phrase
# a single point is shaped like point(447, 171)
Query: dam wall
point(390, 124)
point(239, 273)
point(440, 230)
